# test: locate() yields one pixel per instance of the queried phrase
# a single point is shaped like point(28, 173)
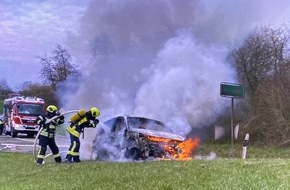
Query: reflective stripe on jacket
point(76, 129)
point(48, 129)
point(72, 130)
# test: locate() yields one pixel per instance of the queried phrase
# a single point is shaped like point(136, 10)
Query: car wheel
point(6, 132)
point(133, 153)
point(102, 155)
point(30, 135)
point(13, 133)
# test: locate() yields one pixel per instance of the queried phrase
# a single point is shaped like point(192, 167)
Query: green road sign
point(232, 90)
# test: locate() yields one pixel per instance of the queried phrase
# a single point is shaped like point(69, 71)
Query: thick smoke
point(161, 59)
point(183, 84)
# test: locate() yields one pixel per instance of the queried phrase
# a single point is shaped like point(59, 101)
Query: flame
point(176, 149)
point(160, 139)
point(187, 148)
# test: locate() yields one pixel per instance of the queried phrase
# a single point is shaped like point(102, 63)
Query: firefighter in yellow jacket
point(47, 134)
point(87, 119)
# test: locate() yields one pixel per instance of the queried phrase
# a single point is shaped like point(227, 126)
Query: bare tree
point(58, 67)
point(5, 90)
point(262, 63)
point(260, 57)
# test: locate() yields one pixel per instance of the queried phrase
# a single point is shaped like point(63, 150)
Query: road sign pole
point(232, 91)
point(232, 129)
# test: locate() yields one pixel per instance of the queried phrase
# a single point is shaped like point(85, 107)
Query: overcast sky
point(161, 58)
point(31, 28)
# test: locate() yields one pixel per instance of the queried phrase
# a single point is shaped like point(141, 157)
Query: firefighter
point(1, 126)
point(47, 134)
point(76, 128)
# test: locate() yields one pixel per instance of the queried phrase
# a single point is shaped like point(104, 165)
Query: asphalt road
point(24, 144)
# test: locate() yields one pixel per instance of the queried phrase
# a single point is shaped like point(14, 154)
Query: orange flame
point(188, 147)
point(159, 139)
point(182, 151)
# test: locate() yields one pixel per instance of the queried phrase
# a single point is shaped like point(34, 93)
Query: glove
point(61, 117)
point(96, 121)
point(40, 121)
point(92, 123)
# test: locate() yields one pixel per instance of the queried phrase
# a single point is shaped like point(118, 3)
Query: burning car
point(139, 138)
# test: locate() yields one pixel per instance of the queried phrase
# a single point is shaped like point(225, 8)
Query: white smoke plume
point(184, 83)
point(162, 59)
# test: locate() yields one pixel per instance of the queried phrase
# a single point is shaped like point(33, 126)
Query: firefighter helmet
point(51, 109)
point(95, 112)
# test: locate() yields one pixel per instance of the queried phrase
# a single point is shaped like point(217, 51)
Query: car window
point(116, 124)
point(119, 124)
point(145, 123)
point(110, 122)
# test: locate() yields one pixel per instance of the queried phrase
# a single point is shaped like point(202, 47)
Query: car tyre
point(30, 135)
point(102, 155)
point(13, 133)
point(133, 153)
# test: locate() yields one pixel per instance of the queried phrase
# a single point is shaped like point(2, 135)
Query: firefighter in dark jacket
point(47, 134)
point(76, 128)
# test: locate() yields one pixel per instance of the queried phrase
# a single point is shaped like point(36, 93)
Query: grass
point(223, 150)
point(263, 170)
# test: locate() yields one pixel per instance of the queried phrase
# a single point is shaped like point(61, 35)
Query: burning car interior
point(139, 138)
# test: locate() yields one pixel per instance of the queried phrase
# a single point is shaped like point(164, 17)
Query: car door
point(118, 133)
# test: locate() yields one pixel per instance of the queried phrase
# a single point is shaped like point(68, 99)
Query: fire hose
point(49, 120)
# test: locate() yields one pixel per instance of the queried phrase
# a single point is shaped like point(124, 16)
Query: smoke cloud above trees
point(162, 59)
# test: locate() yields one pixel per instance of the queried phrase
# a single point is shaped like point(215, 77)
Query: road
point(24, 144)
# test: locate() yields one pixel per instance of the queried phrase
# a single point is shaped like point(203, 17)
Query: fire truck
point(19, 114)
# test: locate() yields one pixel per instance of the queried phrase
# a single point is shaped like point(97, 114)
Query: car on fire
point(136, 138)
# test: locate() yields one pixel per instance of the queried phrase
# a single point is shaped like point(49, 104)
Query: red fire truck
point(19, 114)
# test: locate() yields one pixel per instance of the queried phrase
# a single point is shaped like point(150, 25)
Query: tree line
point(262, 63)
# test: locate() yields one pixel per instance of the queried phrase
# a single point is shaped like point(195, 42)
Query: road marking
point(8, 145)
point(26, 140)
point(28, 145)
point(6, 136)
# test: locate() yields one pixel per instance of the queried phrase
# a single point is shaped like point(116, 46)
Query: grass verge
point(18, 171)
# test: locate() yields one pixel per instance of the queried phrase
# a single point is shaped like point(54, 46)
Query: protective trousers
point(73, 154)
point(43, 143)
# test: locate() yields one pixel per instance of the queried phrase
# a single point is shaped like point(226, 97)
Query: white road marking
point(26, 140)
point(28, 145)
point(16, 144)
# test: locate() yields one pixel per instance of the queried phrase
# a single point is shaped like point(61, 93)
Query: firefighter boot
point(68, 158)
point(76, 159)
point(39, 161)
point(57, 159)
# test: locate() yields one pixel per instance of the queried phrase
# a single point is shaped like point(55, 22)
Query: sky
point(29, 29)
point(163, 59)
